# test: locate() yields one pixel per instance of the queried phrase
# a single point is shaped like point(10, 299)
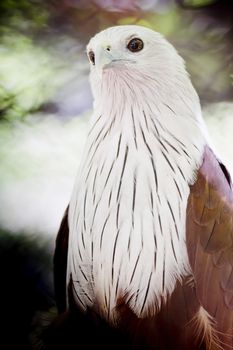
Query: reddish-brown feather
point(210, 244)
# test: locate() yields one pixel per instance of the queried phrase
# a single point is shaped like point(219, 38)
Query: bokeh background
point(45, 104)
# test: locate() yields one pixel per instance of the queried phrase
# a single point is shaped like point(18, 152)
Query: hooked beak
point(103, 57)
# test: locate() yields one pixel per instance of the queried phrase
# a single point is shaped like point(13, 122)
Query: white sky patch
point(40, 161)
point(219, 120)
point(40, 158)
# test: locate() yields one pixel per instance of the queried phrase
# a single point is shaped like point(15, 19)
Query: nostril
point(108, 48)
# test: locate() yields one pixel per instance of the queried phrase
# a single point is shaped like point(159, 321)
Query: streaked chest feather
point(127, 215)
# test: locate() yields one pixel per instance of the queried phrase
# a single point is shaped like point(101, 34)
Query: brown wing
point(60, 263)
point(210, 243)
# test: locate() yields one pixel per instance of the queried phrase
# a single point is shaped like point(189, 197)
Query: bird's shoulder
point(209, 235)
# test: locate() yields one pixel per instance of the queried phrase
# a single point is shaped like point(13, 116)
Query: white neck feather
point(128, 209)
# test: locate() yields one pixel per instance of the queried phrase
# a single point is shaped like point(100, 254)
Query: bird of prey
point(145, 248)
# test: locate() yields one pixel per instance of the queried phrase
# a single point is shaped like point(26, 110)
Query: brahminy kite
point(145, 248)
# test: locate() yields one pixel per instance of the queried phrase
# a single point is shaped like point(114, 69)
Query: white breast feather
point(128, 208)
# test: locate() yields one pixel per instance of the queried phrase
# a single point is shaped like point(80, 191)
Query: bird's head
point(134, 65)
point(131, 46)
point(134, 54)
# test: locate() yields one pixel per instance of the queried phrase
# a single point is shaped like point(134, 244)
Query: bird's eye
point(91, 56)
point(135, 45)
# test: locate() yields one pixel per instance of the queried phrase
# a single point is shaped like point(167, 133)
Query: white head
point(138, 59)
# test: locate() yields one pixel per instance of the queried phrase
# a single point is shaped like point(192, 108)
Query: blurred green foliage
point(23, 15)
point(23, 75)
point(198, 3)
point(27, 76)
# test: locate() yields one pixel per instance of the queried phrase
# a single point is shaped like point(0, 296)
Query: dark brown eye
point(135, 45)
point(91, 56)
